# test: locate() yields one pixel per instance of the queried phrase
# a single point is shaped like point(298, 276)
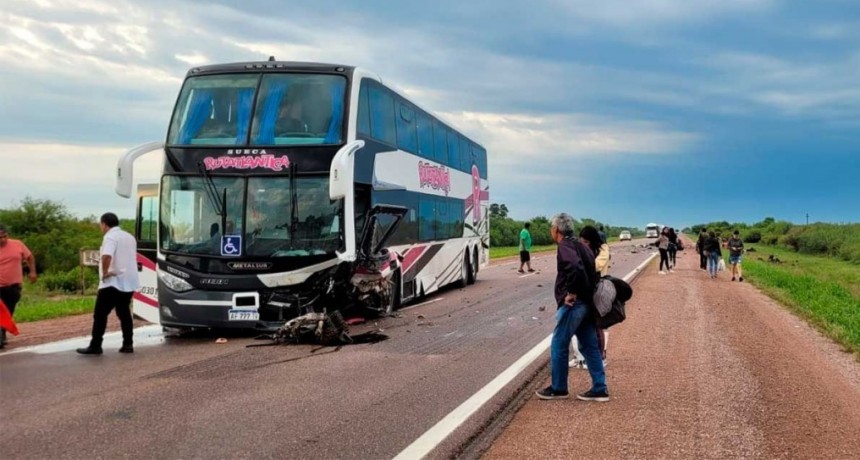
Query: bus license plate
point(243, 315)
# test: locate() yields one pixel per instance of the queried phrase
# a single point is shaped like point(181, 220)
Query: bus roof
point(269, 66)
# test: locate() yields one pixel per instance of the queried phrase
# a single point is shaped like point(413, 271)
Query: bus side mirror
point(341, 186)
point(125, 166)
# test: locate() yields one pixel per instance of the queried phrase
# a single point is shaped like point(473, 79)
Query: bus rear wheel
point(472, 274)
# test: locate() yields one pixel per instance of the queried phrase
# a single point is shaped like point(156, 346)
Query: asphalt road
point(192, 398)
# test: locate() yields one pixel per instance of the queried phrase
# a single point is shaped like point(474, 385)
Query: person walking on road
point(736, 250)
point(119, 280)
point(713, 252)
point(525, 248)
point(590, 237)
point(663, 247)
point(700, 248)
point(13, 254)
point(673, 248)
point(574, 291)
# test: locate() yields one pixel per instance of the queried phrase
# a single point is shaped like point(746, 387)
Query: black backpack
point(623, 293)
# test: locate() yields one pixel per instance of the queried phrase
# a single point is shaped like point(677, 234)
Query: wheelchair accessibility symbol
point(231, 245)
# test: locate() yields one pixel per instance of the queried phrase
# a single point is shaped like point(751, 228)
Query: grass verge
point(510, 251)
point(825, 291)
point(34, 307)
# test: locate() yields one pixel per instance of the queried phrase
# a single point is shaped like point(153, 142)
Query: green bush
point(60, 281)
point(753, 237)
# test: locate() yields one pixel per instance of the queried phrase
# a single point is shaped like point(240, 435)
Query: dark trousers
point(11, 295)
point(664, 259)
point(673, 254)
point(110, 298)
point(703, 260)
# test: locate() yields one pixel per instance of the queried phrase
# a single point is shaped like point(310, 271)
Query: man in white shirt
point(119, 280)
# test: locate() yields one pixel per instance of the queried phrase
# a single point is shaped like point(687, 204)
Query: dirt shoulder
point(702, 369)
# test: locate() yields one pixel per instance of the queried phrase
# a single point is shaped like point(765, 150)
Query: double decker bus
point(290, 188)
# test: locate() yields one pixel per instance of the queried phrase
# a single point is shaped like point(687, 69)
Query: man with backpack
point(574, 292)
point(736, 250)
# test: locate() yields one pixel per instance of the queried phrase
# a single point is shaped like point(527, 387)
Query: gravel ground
point(702, 369)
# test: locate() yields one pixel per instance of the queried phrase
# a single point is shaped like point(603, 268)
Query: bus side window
point(363, 110)
point(453, 150)
point(426, 218)
point(407, 135)
point(440, 136)
point(425, 136)
point(382, 115)
point(465, 155)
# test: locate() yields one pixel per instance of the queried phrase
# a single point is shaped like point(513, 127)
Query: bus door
point(145, 304)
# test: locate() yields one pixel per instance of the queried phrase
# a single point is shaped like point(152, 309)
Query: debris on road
point(221, 340)
point(322, 328)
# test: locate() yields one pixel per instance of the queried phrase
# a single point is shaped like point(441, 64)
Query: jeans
point(107, 299)
point(713, 261)
point(577, 320)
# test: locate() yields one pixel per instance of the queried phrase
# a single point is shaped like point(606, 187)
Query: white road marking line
point(442, 429)
point(143, 335)
point(421, 304)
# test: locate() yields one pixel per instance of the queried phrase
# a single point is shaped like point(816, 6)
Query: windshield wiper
point(294, 204)
point(211, 189)
point(218, 203)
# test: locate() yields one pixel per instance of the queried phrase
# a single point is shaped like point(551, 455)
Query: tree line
point(505, 231)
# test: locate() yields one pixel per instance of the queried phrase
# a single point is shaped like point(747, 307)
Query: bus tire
point(465, 271)
point(472, 274)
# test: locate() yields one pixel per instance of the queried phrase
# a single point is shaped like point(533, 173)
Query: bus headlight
point(174, 282)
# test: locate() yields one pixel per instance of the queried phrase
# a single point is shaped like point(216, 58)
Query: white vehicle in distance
point(625, 235)
point(652, 231)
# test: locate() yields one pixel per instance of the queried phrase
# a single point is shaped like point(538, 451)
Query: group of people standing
point(709, 246)
point(581, 260)
point(118, 279)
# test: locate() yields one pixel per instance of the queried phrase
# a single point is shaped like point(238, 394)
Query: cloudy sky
point(674, 111)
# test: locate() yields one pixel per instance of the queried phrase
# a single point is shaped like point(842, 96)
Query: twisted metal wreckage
point(372, 279)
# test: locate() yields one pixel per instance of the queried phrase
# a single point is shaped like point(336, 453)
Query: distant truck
point(652, 231)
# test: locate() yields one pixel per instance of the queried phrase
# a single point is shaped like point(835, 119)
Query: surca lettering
point(435, 177)
point(256, 162)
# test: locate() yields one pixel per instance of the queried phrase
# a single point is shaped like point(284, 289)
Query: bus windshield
point(291, 109)
point(280, 217)
point(291, 218)
point(190, 219)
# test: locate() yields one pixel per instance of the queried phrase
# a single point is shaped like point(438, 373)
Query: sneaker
point(89, 351)
point(126, 349)
point(661, 272)
point(671, 271)
point(520, 271)
point(593, 396)
point(577, 364)
point(531, 270)
point(549, 393)
point(741, 279)
point(733, 278)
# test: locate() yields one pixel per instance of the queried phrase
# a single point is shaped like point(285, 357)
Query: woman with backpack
point(590, 237)
point(673, 248)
